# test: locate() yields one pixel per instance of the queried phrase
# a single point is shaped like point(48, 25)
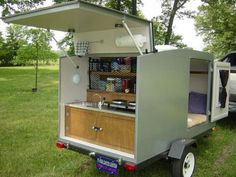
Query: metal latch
point(97, 129)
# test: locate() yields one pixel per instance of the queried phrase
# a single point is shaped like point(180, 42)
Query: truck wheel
point(184, 167)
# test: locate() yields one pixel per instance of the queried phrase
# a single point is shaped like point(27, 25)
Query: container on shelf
point(110, 86)
point(115, 66)
point(101, 85)
point(125, 85)
point(118, 85)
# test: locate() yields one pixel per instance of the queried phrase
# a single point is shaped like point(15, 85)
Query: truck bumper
point(232, 106)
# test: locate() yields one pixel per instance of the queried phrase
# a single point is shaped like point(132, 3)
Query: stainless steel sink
point(89, 104)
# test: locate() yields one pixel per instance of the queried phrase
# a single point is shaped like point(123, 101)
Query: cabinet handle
point(97, 129)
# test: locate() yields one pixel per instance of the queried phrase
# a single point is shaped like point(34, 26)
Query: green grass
point(29, 126)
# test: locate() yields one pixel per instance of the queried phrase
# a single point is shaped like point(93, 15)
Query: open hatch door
point(102, 27)
point(220, 91)
point(78, 15)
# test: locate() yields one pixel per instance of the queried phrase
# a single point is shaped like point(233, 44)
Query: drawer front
point(79, 123)
point(117, 132)
point(104, 129)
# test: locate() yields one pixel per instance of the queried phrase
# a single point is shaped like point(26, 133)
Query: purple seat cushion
point(197, 103)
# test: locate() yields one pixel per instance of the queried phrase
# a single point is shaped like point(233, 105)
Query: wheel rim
point(188, 165)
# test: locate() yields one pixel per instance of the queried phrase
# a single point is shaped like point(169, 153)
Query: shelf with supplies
point(114, 74)
point(109, 96)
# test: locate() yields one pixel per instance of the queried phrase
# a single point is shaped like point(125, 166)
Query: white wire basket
point(82, 48)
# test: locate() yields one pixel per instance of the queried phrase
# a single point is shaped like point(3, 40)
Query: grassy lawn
point(29, 125)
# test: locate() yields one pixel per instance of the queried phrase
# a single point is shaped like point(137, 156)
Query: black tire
point(185, 166)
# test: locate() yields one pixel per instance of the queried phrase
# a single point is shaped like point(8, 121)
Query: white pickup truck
point(231, 58)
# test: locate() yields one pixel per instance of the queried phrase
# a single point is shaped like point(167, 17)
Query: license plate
point(107, 165)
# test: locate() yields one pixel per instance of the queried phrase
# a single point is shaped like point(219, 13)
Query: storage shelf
point(111, 93)
point(109, 96)
point(114, 74)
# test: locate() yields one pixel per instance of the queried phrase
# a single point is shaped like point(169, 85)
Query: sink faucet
point(101, 101)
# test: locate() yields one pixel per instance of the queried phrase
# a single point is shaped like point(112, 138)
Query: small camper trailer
point(123, 103)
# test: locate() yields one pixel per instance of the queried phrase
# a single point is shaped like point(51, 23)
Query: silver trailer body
point(164, 79)
point(162, 97)
point(163, 86)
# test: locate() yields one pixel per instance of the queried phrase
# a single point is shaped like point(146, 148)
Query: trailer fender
point(177, 147)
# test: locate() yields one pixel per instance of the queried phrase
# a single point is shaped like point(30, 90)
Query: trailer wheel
point(185, 166)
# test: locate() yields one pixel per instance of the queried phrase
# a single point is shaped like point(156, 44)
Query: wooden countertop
point(104, 109)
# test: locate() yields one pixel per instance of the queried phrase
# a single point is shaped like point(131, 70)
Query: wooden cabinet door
point(79, 123)
point(117, 132)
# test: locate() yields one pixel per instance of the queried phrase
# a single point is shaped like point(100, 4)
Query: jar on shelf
point(110, 86)
point(118, 85)
point(115, 65)
point(125, 86)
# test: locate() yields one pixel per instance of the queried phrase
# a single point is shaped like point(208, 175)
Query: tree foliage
point(10, 45)
point(67, 41)
point(100, 2)
point(22, 44)
point(12, 6)
point(121, 5)
point(36, 48)
point(160, 32)
point(170, 10)
point(3, 51)
point(128, 6)
point(216, 22)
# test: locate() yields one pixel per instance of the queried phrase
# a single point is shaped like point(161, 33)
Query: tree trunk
point(118, 5)
point(134, 7)
point(171, 21)
point(100, 2)
point(35, 89)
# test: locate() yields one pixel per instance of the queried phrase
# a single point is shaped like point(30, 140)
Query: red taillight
point(60, 144)
point(129, 166)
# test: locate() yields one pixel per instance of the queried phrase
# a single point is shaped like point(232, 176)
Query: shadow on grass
point(161, 168)
point(229, 122)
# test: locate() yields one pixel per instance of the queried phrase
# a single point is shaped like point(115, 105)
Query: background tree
point(67, 42)
point(13, 41)
point(12, 6)
point(18, 47)
point(160, 32)
point(100, 2)
point(128, 6)
point(36, 49)
point(216, 22)
point(3, 50)
point(170, 10)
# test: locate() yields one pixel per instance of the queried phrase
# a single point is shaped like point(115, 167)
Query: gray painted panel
point(162, 101)
point(69, 91)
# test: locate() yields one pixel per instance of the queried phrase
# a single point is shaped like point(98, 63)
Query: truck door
point(220, 91)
